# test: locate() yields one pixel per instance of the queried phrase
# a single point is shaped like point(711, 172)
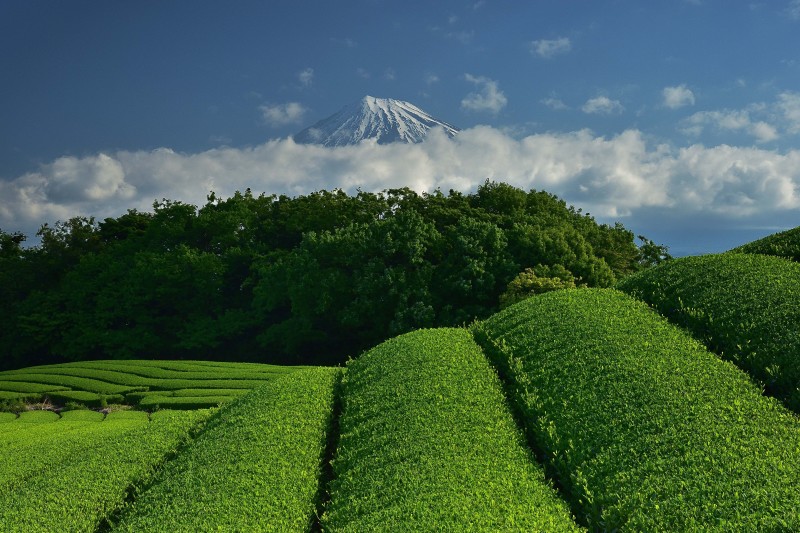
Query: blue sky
point(680, 119)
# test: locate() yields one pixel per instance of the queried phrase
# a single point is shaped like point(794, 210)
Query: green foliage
point(643, 427)
point(311, 279)
point(744, 307)
point(428, 444)
point(37, 416)
point(27, 386)
point(183, 402)
point(89, 399)
point(30, 450)
point(784, 244)
point(98, 383)
point(76, 491)
point(537, 280)
point(652, 254)
point(255, 467)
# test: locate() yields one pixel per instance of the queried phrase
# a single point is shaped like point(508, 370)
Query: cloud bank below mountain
point(622, 178)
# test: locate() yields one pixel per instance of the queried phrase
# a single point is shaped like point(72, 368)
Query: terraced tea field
point(142, 383)
point(580, 409)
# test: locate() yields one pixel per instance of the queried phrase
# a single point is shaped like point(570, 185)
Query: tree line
point(293, 280)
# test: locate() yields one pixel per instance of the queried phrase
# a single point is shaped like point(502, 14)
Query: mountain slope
point(384, 119)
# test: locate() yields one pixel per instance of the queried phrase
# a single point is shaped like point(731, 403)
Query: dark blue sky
point(698, 103)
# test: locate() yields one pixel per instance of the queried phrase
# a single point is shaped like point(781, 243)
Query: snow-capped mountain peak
point(384, 119)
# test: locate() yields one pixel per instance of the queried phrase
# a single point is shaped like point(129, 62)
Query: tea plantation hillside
point(256, 467)
point(428, 444)
point(744, 307)
point(143, 383)
point(578, 409)
point(643, 427)
point(784, 244)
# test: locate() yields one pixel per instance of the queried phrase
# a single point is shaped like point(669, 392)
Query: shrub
point(537, 280)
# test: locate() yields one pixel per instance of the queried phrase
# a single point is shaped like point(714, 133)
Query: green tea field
point(668, 403)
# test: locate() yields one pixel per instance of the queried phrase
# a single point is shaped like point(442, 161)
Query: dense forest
point(310, 279)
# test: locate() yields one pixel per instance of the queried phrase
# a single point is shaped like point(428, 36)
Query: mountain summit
point(384, 119)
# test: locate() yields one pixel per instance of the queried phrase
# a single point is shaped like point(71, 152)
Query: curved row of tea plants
point(33, 448)
point(784, 244)
point(427, 443)
point(744, 307)
point(255, 467)
point(78, 491)
point(644, 428)
point(149, 384)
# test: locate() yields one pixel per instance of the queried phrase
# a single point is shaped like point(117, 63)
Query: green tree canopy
point(312, 278)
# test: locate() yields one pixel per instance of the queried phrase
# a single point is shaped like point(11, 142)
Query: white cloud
point(488, 98)
point(789, 108)
point(676, 97)
point(277, 115)
point(430, 79)
point(389, 74)
point(738, 120)
point(554, 103)
point(306, 77)
point(602, 105)
point(619, 178)
point(548, 48)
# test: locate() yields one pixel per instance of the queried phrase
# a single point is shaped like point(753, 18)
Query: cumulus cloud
point(622, 178)
point(737, 120)
point(277, 115)
point(306, 77)
point(676, 97)
point(548, 48)
point(488, 98)
point(602, 105)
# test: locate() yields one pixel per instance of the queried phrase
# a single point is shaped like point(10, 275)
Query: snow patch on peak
point(383, 119)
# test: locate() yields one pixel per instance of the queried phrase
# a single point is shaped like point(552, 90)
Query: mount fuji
point(384, 119)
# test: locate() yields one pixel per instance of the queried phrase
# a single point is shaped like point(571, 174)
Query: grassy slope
point(645, 428)
point(428, 444)
point(742, 306)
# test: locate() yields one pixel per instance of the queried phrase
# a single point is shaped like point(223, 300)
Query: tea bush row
point(255, 467)
point(428, 444)
point(183, 402)
point(644, 428)
point(784, 244)
point(37, 448)
point(79, 491)
point(98, 383)
point(744, 307)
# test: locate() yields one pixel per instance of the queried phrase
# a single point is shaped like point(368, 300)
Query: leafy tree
point(651, 254)
point(304, 279)
point(537, 280)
